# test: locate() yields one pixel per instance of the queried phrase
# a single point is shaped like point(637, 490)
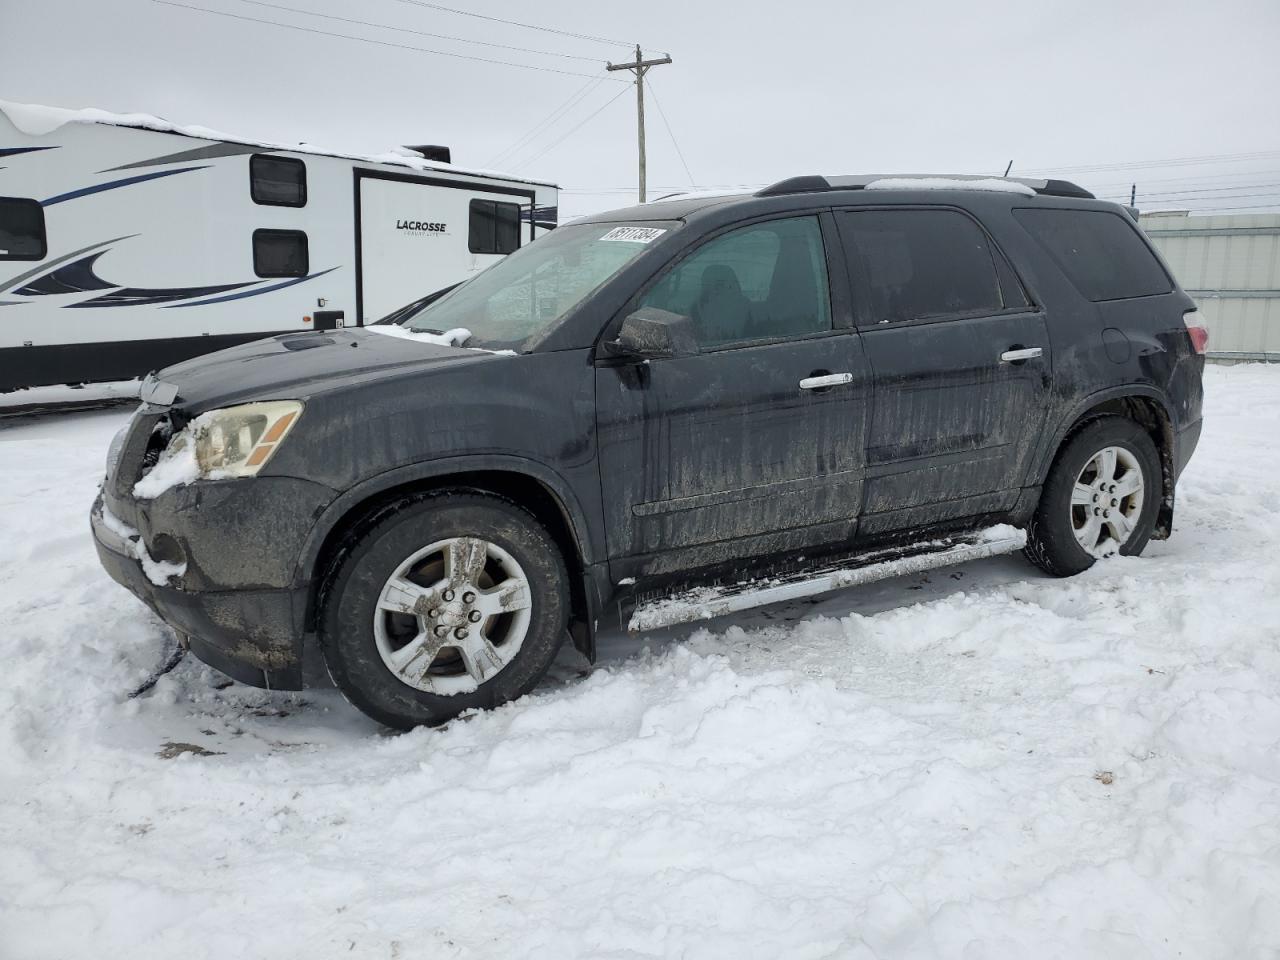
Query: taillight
point(1199, 335)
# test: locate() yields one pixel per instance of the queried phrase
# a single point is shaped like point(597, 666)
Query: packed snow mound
point(974, 762)
point(992, 184)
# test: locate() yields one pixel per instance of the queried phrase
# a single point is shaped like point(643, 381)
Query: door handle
point(1019, 354)
point(826, 380)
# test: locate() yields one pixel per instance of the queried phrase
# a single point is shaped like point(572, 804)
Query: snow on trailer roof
point(37, 121)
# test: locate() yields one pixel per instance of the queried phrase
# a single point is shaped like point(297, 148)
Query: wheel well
point(518, 488)
point(1150, 415)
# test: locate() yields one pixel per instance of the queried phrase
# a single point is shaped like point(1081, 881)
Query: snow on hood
point(450, 338)
point(37, 121)
point(991, 184)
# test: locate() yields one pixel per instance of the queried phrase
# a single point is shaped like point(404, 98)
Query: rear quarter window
point(1101, 253)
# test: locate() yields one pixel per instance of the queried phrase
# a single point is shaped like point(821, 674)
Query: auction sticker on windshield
point(635, 234)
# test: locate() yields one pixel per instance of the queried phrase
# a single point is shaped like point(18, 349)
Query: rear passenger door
point(959, 361)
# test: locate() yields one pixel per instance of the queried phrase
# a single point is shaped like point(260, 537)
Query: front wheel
point(443, 604)
point(1101, 498)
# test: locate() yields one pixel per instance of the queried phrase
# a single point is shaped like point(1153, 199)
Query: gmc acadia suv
point(664, 412)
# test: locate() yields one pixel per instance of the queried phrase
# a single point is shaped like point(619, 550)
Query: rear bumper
point(1185, 445)
point(253, 635)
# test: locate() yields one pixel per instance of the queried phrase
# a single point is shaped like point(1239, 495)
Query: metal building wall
point(1231, 266)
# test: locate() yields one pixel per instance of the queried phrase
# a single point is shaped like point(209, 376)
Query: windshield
point(530, 291)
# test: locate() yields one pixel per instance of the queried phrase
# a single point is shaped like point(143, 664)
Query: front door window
point(767, 281)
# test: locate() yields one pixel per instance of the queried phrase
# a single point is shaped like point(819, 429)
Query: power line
point(380, 43)
point(575, 129)
point(1273, 207)
point(1210, 203)
point(420, 33)
point(1268, 197)
point(552, 118)
point(1170, 161)
point(663, 114)
point(1193, 179)
point(700, 186)
point(515, 23)
point(1242, 189)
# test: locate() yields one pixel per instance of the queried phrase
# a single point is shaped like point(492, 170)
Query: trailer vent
point(431, 152)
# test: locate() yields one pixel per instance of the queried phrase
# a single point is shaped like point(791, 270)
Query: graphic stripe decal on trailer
point(199, 153)
point(112, 185)
point(142, 297)
point(75, 277)
point(253, 293)
point(80, 277)
point(14, 151)
point(24, 277)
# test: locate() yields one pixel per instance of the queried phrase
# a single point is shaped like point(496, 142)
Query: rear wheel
point(1101, 498)
point(444, 604)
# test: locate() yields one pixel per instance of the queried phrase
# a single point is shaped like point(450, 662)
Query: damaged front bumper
point(191, 557)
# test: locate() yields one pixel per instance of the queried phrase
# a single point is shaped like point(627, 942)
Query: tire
point(1061, 526)
point(379, 601)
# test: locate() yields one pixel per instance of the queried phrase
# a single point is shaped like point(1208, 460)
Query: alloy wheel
point(452, 615)
point(1106, 501)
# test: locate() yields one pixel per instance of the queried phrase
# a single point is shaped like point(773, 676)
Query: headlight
point(237, 441)
point(234, 442)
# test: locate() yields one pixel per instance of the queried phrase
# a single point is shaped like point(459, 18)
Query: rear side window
point(494, 227)
point(1101, 253)
point(277, 181)
point(280, 253)
point(921, 263)
point(22, 234)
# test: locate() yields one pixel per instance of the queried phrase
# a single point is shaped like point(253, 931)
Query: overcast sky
point(758, 91)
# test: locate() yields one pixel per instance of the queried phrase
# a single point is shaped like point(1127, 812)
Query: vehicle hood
point(296, 366)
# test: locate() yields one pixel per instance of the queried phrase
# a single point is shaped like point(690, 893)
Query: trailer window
point(494, 227)
point(277, 181)
point(280, 253)
point(22, 229)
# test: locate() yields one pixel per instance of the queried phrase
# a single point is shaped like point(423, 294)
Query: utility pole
point(1133, 195)
point(639, 67)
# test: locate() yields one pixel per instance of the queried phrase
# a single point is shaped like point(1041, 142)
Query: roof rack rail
point(812, 183)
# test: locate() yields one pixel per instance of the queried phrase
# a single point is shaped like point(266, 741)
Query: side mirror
point(653, 333)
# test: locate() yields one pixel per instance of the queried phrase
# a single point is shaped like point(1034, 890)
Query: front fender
point(588, 536)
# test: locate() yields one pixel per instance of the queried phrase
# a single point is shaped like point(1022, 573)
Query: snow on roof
point(38, 121)
point(992, 184)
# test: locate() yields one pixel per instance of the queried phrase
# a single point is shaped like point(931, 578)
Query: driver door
point(755, 444)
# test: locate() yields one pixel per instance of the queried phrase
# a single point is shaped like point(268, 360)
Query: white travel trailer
point(127, 243)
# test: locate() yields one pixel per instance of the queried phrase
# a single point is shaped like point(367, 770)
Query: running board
point(703, 603)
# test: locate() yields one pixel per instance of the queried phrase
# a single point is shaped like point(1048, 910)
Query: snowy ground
point(980, 762)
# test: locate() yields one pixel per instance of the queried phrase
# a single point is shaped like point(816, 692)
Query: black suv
point(663, 413)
